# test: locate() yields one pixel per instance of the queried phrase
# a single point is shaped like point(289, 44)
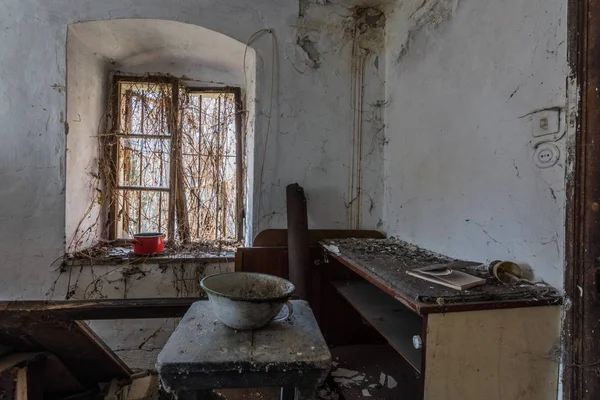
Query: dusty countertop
point(384, 262)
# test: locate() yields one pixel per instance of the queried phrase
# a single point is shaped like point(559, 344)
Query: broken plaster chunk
point(365, 393)
point(391, 382)
point(335, 364)
point(344, 373)
point(382, 379)
point(332, 248)
point(358, 378)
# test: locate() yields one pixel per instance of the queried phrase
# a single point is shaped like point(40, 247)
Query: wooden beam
point(298, 248)
point(30, 381)
point(102, 309)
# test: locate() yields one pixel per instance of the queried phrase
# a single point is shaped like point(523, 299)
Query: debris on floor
point(371, 372)
point(327, 391)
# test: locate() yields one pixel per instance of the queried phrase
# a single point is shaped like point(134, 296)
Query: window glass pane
point(209, 164)
point(142, 211)
point(144, 162)
point(145, 108)
point(208, 140)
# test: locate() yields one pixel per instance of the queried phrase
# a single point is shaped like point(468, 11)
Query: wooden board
point(389, 317)
point(384, 263)
point(54, 377)
point(100, 309)
point(73, 342)
point(266, 260)
point(493, 354)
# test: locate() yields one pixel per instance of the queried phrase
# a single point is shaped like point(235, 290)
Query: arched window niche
point(99, 51)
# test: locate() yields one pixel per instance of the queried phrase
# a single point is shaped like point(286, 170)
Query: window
point(176, 160)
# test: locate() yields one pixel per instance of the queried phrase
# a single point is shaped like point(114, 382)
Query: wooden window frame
point(177, 200)
point(239, 148)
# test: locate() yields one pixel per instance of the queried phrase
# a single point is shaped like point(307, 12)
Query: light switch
point(546, 122)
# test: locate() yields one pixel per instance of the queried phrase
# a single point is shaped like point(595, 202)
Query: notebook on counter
point(449, 275)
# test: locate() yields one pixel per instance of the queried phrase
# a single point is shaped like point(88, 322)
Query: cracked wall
point(347, 40)
point(139, 341)
point(460, 178)
point(305, 118)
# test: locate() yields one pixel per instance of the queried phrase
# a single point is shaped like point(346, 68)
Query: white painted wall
point(306, 123)
point(87, 76)
point(144, 46)
point(459, 172)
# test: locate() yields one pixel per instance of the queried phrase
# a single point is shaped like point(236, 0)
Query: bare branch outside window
point(174, 157)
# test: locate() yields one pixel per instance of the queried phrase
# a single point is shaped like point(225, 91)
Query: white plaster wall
point(144, 46)
point(198, 75)
point(309, 114)
point(139, 341)
point(459, 172)
point(87, 75)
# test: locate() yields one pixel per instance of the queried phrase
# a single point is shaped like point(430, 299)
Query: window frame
point(177, 200)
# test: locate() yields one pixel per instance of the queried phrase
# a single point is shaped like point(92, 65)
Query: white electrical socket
point(546, 155)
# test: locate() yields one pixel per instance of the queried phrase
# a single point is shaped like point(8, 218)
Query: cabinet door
point(493, 355)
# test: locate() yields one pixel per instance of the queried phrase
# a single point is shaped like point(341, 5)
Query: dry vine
point(167, 163)
point(202, 166)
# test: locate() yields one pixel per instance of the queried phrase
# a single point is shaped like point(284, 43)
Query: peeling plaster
point(462, 141)
point(425, 18)
point(310, 48)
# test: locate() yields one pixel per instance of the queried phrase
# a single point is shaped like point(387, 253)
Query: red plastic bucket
point(148, 243)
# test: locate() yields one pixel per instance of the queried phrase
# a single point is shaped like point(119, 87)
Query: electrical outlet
point(546, 155)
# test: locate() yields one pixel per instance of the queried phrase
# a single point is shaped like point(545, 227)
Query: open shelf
point(396, 323)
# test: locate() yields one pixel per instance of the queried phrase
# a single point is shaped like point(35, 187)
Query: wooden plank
point(389, 317)
point(299, 269)
point(86, 356)
point(30, 380)
point(278, 237)
point(582, 276)
point(384, 263)
point(55, 378)
point(239, 165)
point(21, 384)
point(493, 355)
point(101, 309)
point(266, 260)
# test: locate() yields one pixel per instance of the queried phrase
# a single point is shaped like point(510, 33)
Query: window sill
point(124, 256)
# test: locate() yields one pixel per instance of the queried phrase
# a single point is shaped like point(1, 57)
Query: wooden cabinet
point(493, 342)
